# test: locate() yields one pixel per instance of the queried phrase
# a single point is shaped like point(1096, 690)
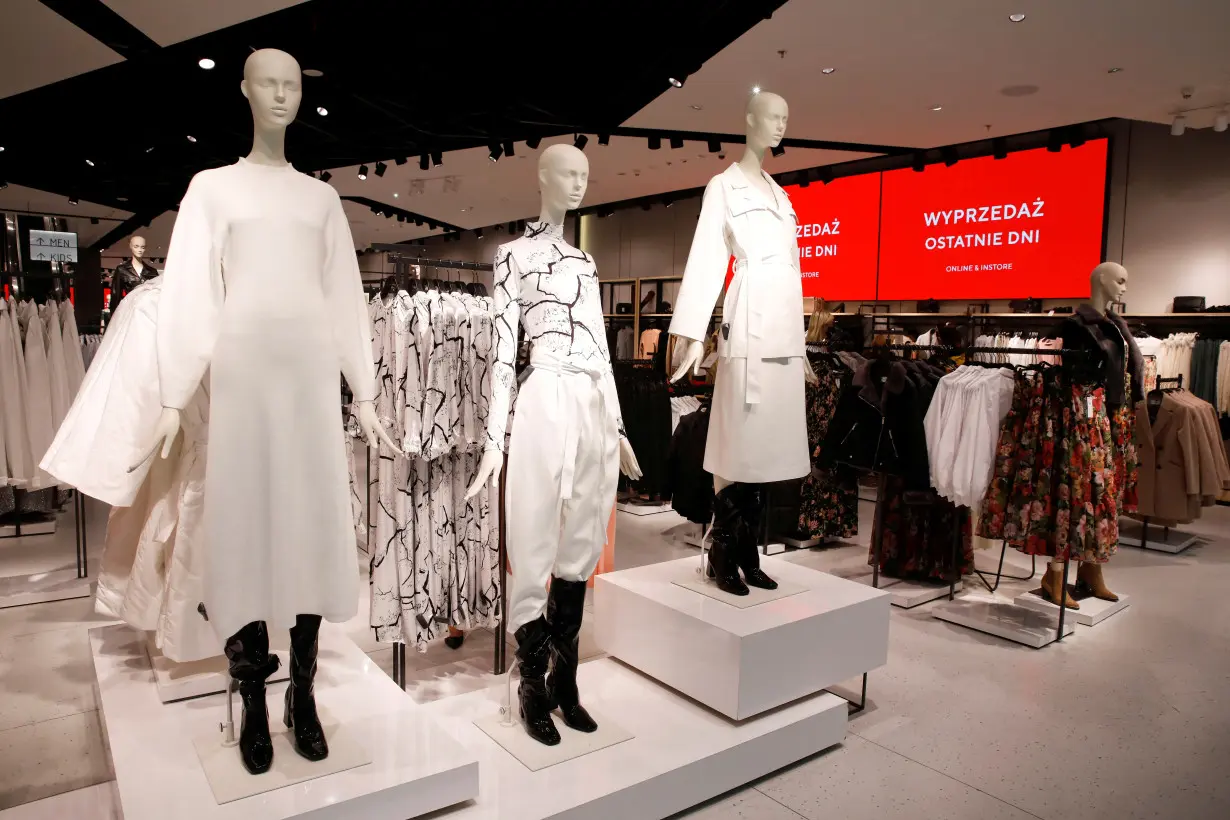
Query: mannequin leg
point(247, 653)
point(1089, 577)
point(565, 610)
point(1052, 586)
point(724, 535)
point(300, 712)
point(751, 508)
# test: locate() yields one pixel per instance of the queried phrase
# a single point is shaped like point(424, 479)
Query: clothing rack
point(1177, 381)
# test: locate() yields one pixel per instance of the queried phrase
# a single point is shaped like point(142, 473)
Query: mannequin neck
point(268, 147)
point(551, 215)
point(752, 161)
point(1099, 300)
point(137, 264)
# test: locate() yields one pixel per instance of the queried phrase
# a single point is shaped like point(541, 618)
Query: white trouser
point(563, 467)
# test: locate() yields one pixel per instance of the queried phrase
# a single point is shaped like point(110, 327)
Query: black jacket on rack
point(1106, 337)
point(878, 426)
point(688, 484)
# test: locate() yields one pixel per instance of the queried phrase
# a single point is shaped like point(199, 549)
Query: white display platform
point(681, 753)
point(1161, 539)
point(1006, 620)
point(905, 594)
point(181, 681)
point(537, 756)
point(755, 595)
point(416, 767)
point(43, 587)
point(642, 509)
point(1092, 612)
point(741, 662)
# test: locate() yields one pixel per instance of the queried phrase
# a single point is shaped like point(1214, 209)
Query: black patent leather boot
point(565, 609)
point(300, 714)
point(724, 535)
point(534, 652)
point(750, 500)
point(247, 653)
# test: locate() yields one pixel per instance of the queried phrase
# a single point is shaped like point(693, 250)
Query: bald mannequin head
point(766, 118)
point(273, 84)
point(563, 177)
point(1107, 283)
point(137, 246)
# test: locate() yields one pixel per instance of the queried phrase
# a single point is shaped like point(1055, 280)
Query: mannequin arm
point(372, 429)
point(164, 436)
point(488, 470)
point(691, 358)
point(627, 460)
point(809, 374)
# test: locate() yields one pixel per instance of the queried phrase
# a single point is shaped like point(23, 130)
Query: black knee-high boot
point(565, 609)
point(533, 652)
point(750, 501)
point(300, 712)
point(725, 538)
point(247, 652)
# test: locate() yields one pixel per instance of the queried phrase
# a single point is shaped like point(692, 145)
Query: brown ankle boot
point(1089, 577)
point(1051, 582)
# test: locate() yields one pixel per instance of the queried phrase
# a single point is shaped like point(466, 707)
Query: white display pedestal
point(44, 587)
point(741, 662)
point(1003, 619)
point(181, 681)
point(904, 594)
point(1161, 539)
point(1092, 612)
point(642, 509)
point(680, 753)
point(416, 767)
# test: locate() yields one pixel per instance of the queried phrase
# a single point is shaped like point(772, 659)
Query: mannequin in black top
point(128, 275)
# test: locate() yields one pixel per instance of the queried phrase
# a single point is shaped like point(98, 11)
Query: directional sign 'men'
point(53, 246)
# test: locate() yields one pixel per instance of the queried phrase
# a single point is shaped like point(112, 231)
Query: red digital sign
point(1028, 225)
point(838, 231)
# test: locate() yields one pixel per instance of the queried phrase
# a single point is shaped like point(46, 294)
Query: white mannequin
point(1107, 284)
point(765, 125)
point(563, 177)
point(136, 246)
point(272, 83)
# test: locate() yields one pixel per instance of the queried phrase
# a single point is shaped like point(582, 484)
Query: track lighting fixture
point(1076, 136)
point(950, 156)
point(604, 139)
point(1178, 126)
point(676, 83)
point(667, 201)
point(715, 147)
point(512, 227)
point(362, 172)
point(381, 168)
point(190, 139)
point(1221, 121)
point(508, 148)
point(777, 150)
point(804, 179)
point(1054, 141)
point(400, 160)
point(999, 148)
point(581, 141)
point(533, 142)
point(478, 232)
point(3, 184)
point(322, 111)
point(655, 143)
point(437, 158)
point(825, 175)
point(418, 222)
point(431, 226)
point(496, 151)
point(72, 200)
point(325, 176)
point(676, 142)
point(93, 220)
point(401, 217)
point(919, 161)
point(424, 162)
point(90, 162)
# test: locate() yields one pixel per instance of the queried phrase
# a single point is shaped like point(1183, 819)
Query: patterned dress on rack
point(829, 499)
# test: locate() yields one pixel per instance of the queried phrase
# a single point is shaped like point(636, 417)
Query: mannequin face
point(563, 177)
point(273, 85)
point(137, 246)
point(767, 116)
point(1110, 280)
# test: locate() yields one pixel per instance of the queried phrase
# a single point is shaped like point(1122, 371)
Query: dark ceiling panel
point(399, 79)
point(96, 19)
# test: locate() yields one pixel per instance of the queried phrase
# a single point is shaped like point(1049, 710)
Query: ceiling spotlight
point(400, 160)
point(655, 143)
point(418, 222)
point(437, 158)
point(400, 217)
point(715, 146)
point(90, 162)
point(667, 201)
point(1054, 141)
point(313, 72)
point(777, 150)
point(508, 148)
point(93, 220)
point(1076, 136)
point(325, 176)
point(804, 179)
point(1, 148)
point(999, 148)
point(495, 152)
point(322, 111)
point(1016, 18)
point(676, 142)
point(362, 172)
point(919, 162)
point(1178, 126)
point(72, 200)
point(827, 70)
point(381, 168)
point(604, 139)
point(478, 232)
point(1222, 121)
point(676, 83)
point(755, 89)
point(825, 175)
point(533, 142)
point(1113, 70)
point(512, 227)
point(696, 107)
point(206, 63)
point(424, 162)
point(581, 141)
point(190, 139)
point(950, 156)
point(3, 184)
point(937, 108)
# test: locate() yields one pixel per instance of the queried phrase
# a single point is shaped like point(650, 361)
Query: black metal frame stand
point(999, 573)
point(852, 707)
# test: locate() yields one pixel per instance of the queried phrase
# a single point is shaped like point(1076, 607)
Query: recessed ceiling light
point(827, 70)
point(676, 83)
point(121, 199)
point(937, 108)
point(694, 108)
point(322, 111)
point(755, 89)
point(1113, 70)
point(396, 195)
point(190, 139)
point(1016, 18)
point(206, 63)
point(313, 72)
point(90, 162)
point(1, 148)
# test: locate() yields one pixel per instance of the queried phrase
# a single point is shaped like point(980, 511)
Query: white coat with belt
point(758, 428)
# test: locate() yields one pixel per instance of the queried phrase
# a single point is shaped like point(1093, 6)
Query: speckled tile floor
point(1126, 720)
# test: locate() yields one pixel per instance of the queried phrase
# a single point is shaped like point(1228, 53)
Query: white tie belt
point(548, 362)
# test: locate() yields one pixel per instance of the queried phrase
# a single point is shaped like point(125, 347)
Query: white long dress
point(13, 395)
point(72, 348)
point(262, 287)
point(39, 413)
point(57, 366)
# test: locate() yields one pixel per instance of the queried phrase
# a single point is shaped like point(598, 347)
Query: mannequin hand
point(164, 436)
point(691, 359)
point(372, 429)
point(809, 375)
point(627, 460)
point(488, 469)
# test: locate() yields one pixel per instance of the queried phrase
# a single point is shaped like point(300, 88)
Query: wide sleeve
point(507, 316)
point(705, 273)
point(352, 332)
point(190, 306)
